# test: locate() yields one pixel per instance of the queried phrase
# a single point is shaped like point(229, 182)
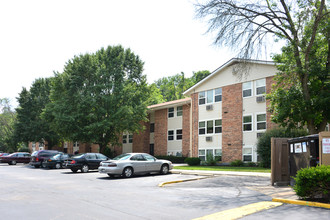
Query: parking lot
point(30, 193)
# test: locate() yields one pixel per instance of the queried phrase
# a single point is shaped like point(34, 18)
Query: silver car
point(134, 163)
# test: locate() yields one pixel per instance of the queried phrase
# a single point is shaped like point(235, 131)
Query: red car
point(18, 157)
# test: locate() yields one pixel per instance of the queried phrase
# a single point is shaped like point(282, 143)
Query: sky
point(38, 37)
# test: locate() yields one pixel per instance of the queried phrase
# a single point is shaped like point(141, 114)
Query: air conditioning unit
point(208, 138)
point(261, 98)
point(209, 107)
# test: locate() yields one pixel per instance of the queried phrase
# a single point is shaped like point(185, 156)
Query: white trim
point(247, 123)
point(228, 63)
point(256, 122)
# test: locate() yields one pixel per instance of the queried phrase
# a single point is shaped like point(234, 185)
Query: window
point(152, 127)
point(130, 138)
point(247, 154)
point(179, 111)
point(179, 134)
point(201, 155)
point(201, 98)
point(218, 126)
point(170, 135)
point(247, 123)
point(201, 129)
point(171, 112)
point(261, 122)
point(260, 87)
point(218, 95)
point(210, 127)
point(210, 96)
point(125, 139)
point(218, 154)
point(247, 89)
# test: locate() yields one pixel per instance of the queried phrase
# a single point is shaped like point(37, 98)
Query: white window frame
point(130, 138)
point(247, 154)
point(202, 127)
point(217, 94)
point(256, 118)
point(209, 94)
point(218, 126)
point(247, 123)
point(176, 134)
point(263, 84)
point(249, 88)
point(201, 96)
point(205, 127)
point(203, 156)
point(179, 110)
point(124, 138)
point(168, 135)
point(171, 112)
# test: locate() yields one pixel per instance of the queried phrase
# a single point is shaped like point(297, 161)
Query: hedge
point(173, 159)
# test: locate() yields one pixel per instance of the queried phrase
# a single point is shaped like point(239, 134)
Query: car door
point(152, 164)
point(92, 161)
point(138, 163)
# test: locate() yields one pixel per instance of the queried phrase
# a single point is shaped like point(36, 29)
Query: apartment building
point(223, 115)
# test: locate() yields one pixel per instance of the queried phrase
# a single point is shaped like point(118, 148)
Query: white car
point(134, 163)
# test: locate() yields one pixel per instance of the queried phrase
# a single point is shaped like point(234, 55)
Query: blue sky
point(39, 37)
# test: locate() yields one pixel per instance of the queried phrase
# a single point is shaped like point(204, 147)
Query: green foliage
point(264, 142)
point(172, 87)
point(99, 96)
point(192, 161)
point(108, 152)
point(7, 121)
point(30, 125)
point(210, 160)
point(313, 183)
point(237, 163)
point(173, 159)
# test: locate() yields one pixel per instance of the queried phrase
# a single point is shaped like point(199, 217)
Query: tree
point(30, 126)
point(7, 120)
point(304, 26)
point(99, 96)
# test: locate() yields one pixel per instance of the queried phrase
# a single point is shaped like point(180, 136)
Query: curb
point(305, 203)
point(181, 181)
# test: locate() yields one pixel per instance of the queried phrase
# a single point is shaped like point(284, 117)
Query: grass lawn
point(224, 168)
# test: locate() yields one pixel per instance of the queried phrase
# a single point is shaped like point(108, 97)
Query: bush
point(192, 161)
point(264, 142)
point(237, 163)
point(210, 161)
point(313, 183)
point(173, 159)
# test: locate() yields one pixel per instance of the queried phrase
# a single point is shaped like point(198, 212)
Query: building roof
point(170, 104)
point(225, 65)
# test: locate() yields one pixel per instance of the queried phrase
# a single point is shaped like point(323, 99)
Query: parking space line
point(241, 211)
point(181, 181)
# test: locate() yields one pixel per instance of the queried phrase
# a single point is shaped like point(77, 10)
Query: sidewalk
point(284, 194)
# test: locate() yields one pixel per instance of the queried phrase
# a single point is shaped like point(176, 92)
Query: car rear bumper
point(110, 170)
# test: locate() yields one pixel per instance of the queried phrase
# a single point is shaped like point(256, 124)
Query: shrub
point(237, 163)
point(313, 183)
point(264, 142)
point(173, 159)
point(192, 161)
point(250, 164)
point(210, 161)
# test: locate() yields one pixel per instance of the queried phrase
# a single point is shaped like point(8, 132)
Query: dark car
point(18, 157)
point(56, 161)
point(3, 154)
point(85, 162)
point(38, 157)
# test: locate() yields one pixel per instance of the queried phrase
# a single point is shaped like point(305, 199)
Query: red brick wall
point(186, 130)
point(269, 82)
point(232, 136)
point(160, 132)
point(141, 140)
point(194, 140)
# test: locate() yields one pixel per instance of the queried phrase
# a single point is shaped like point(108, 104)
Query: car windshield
point(35, 153)
point(122, 157)
point(10, 155)
point(57, 156)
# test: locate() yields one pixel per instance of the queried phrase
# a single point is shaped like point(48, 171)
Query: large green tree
point(30, 126)
point(98, 96)
point(7, 120)
point(304, 62)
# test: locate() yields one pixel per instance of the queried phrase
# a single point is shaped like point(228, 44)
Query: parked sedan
point(134, 163)
point(56, 161)
point(18, 157)
point(85, 162)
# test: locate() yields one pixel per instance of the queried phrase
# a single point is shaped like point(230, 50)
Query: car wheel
point(58, 166)
point(128, 172)
point(74, 170)
point(164, 169)
point(84, 168)
point(13, 162)
point(43, 165)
